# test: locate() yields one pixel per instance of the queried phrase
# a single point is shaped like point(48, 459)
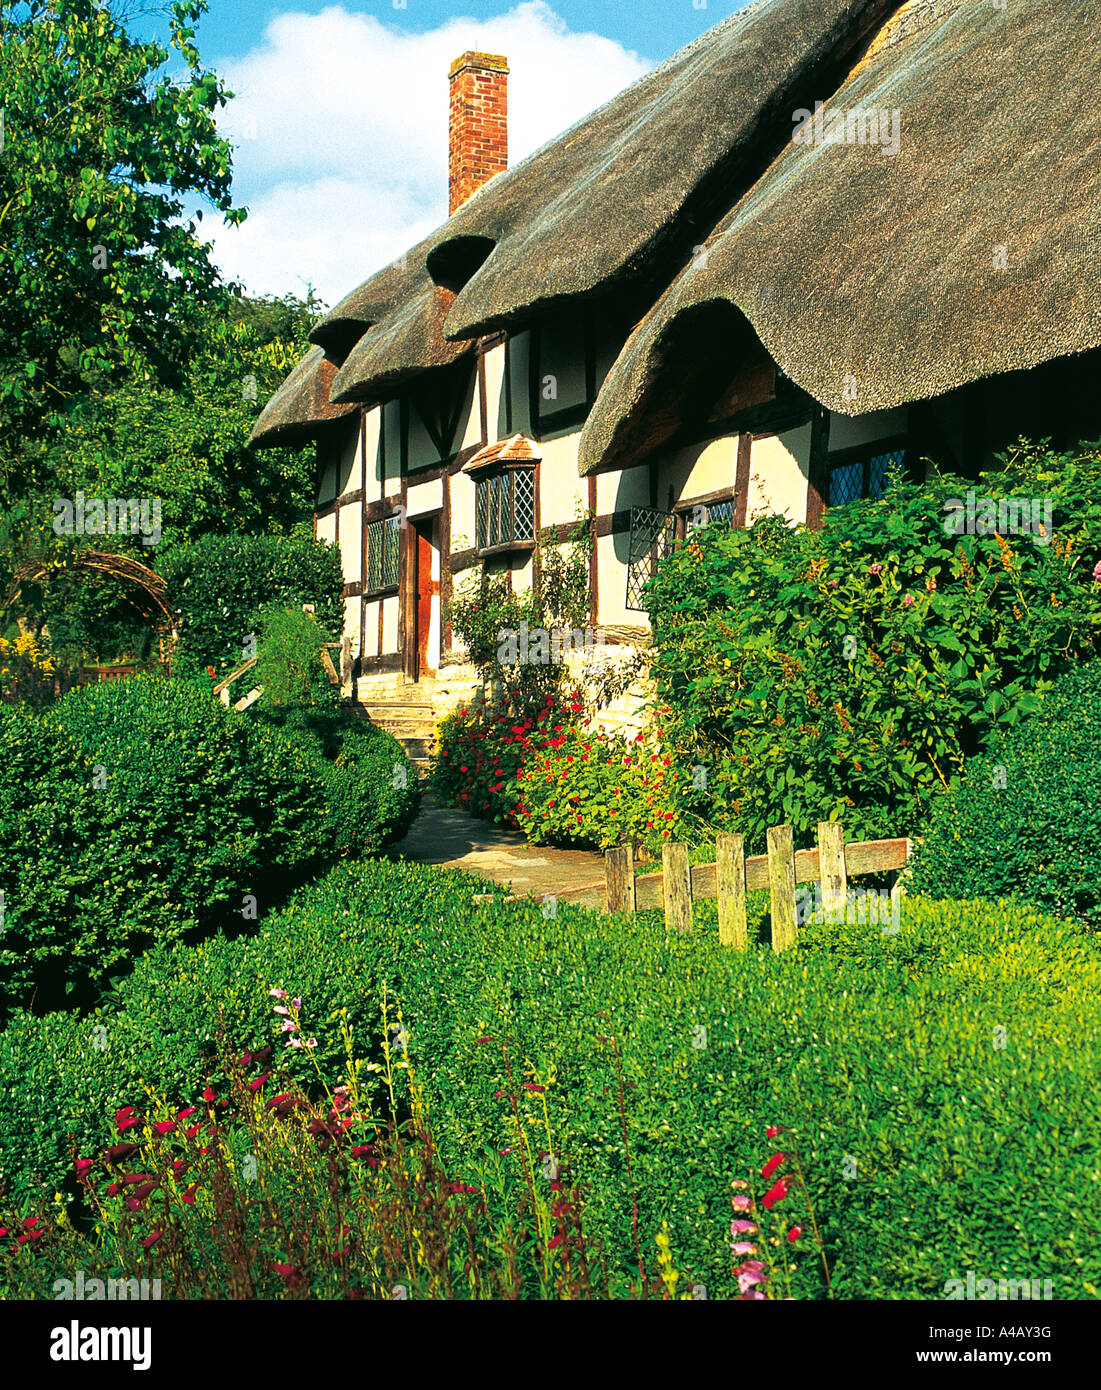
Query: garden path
point(451, 839)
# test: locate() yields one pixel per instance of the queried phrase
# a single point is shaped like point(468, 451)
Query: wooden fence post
point(619, 879)
point(831, 866)
point(781, 885)
point(677, 886)
point(730, 876)
point(898, 892)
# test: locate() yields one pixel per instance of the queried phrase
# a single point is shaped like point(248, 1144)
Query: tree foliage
point(102, 269)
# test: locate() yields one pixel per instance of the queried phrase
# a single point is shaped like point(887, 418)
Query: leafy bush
point(371, 790)
point(227, 807)
point(140, 810)
point(930, 1077)
point(76, 902)
point(288, 660)
point(220, 584)
point(848, 673)
point(1026, 821)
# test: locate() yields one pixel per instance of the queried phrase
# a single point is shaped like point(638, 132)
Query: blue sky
point(340, 117)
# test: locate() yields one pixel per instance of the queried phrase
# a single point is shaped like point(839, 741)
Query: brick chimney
point(478, 125)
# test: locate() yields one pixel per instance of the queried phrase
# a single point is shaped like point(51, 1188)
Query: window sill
point(509, 546)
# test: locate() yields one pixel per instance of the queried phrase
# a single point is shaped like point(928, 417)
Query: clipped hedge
point(371, 790)
point(1026, 821)
point(138, 811)
point(934, 1078)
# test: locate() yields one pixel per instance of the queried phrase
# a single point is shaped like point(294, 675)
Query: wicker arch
point(150, 592)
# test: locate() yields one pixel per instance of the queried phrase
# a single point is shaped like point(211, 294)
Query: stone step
point(401, 730)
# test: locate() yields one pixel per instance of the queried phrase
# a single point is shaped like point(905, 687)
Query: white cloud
point(342, 130)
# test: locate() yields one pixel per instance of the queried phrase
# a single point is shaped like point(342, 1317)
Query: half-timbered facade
point(678, 312)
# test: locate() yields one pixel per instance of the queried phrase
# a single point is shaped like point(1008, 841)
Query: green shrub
point(140, 810)
point(76, 900)
point(288, 661)
point(1026, 820)
point(371, 790)
point(220, 584)
point(931, 1077)
point(227, 807)
point(848, 673)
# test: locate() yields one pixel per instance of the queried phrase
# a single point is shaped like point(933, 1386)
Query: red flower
point(164, 1126)
point(151, 1240)
point(773, 1131)
point(82, 1166)
point(118, 1152)
point(126, 1119)
point(531, 1086)
point(209, 1095)
point(553, 1244)
point(183, 1114)
point(777, 1193)
point(189, 1195)
point(773, 1163)
point(795, 1233)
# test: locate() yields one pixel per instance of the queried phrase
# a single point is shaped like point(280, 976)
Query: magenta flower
point(740, 1203)
point(1097, 572)
point(278, 993)
point(876, 569)
point(743, 1247)
point(907, 601)
point(740, 1226)
point(748, 1278)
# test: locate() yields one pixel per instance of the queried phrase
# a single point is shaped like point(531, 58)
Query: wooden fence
point(732, 875)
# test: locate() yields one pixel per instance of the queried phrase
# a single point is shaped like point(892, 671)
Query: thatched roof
point(874, 279)
point(302, 407)
point(409, 340)
point(593, 206)
point(870, 278)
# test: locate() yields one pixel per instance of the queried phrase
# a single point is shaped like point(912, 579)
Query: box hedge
point(940, 1082)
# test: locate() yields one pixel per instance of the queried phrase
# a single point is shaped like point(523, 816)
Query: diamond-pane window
point(862, 474)
point(504, 508)
point(383, 554)
point(651, 540)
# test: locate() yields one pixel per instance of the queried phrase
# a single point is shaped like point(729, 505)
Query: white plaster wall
point(372, 487)
point(370, 628)
point(326, 528)
point(389, 624)
point(561, 491)
point(351, 543)
point(779, 469)
point(617, 491)
point(496, 425)
point(462, 511)
point(424, 497)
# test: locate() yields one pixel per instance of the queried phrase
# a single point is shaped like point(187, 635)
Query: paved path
point(454, 840)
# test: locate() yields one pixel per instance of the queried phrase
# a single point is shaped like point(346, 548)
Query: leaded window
point(505, 508)
point(383, 552)
point(651, 541)
point(862, 473)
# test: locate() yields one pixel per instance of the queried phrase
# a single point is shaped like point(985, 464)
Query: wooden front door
point(423, 597)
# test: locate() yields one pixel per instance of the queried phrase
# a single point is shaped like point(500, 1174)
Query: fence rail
point(732, 875)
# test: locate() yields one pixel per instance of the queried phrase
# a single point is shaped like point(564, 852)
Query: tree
point(102, 270)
